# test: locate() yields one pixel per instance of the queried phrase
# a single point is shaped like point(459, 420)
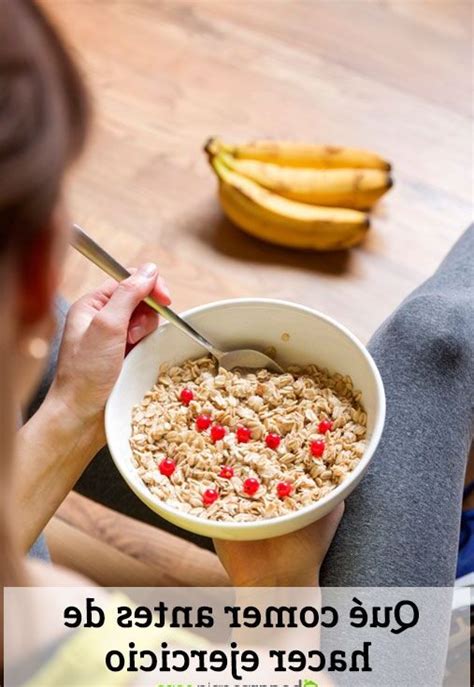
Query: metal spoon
point(245, 357)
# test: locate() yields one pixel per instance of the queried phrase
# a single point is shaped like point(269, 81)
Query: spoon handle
point(96, 254)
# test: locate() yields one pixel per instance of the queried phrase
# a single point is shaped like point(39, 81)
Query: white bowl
point(300, 336)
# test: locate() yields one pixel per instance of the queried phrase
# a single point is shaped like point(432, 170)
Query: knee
point(430, 328)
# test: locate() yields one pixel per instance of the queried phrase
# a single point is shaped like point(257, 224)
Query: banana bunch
point(299, 195)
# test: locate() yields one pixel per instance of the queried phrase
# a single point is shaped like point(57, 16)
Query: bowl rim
point(145, 495)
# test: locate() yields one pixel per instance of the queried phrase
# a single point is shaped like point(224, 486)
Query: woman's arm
point(53, 449)
point(59, 441)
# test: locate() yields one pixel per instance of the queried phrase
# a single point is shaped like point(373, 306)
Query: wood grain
point(388, 75)
point(123, 552)
point(392, 76)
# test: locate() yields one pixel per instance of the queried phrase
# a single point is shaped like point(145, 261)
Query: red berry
point(209, 496)
point(186, 396)
point(243, 435)
point(251, 486)
point(272, 440)
point(226, 472)
point(324, 426)
point(284, 489)
point(217, 432)
point(317, 448)
point(203, 422)
point(167, 467)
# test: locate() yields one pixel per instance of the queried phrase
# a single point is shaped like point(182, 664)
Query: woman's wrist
point(53, 449)
point(75, 423)
point(79, 431)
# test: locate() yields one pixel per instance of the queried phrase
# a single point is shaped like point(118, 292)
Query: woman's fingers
point(118, 308)
point(161, 291)
point(97, 299)
point(143, 321)
point(116, 314)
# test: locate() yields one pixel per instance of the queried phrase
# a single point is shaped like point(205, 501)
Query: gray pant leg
point(401, 525)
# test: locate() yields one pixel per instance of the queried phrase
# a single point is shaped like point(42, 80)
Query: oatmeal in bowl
point(246, 454)
point(246, 444)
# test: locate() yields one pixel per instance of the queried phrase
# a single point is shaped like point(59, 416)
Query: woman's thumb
point(130, 292)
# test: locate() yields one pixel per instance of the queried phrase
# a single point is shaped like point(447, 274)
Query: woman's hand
point(293, 560)
point(100, 327)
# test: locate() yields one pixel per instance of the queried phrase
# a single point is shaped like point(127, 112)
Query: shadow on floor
point(211, 227)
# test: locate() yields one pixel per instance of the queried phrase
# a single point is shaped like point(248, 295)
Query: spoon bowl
point(249, 359)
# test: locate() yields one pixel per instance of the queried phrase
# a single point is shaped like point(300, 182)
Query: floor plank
point(143, 552)
point(102, 563)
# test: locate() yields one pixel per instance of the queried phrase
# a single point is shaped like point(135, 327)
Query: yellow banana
point(294, 154)
point(345, 188)
point(275, 219)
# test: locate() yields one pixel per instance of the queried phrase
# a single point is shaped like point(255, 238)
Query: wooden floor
point(390, 75)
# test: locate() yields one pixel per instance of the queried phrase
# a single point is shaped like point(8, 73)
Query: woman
point(43, 125)
point(403, 521)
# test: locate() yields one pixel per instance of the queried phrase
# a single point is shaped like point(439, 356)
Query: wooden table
point(393, 76)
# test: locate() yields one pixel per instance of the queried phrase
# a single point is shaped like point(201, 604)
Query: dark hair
point(44, 113)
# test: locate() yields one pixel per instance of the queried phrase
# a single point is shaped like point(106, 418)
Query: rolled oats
point(291, 405)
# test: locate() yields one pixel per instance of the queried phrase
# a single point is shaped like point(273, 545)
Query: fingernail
point(162, 286)
point(148, 270)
